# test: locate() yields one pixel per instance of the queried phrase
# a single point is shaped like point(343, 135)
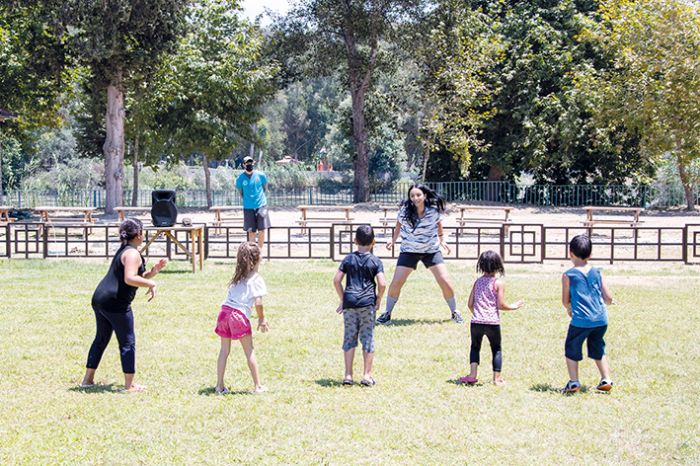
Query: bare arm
point(155, 270)
point(397, 232)
point(131, 260)
point(381, 287)
point(607, 295)
point(338, 284)
point(262, 323)
point(470, 303)
point(565, 294)
point(441, 238)
point(502, 305)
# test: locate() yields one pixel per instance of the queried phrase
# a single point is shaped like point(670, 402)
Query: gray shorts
point(256, 219)
point(359, 322)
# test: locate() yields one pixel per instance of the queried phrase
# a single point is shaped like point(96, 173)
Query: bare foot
point(260, 389)
point(499, 382)
point(135, 388)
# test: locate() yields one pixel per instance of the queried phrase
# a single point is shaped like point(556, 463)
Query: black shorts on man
point(256, 219)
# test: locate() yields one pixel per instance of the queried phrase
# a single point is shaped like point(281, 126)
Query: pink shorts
point(232, 324)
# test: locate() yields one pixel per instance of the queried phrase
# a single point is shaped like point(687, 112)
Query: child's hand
point(389, 244)
point(262, 325)
point(339, 310)
point(518, 304)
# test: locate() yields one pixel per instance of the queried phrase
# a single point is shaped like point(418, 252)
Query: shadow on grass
point(460, 384)
point(406, 322)
point(330, 383)
point(167, 271)
point(211, 391)
point(549, 388)
point(99, 388)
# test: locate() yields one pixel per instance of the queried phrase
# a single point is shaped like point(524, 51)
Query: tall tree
point(655, 84)
point(543, 122)
point(115, 39)
point(325, 37)
point(213, 87)
point(33, 71)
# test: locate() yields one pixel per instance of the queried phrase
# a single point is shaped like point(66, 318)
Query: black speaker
point(163, 210)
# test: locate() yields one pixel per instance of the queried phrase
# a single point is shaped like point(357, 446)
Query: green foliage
point(215, 83)
point(655, 84)
point(11, 161)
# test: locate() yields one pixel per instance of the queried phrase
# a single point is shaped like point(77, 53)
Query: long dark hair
point(432, 199)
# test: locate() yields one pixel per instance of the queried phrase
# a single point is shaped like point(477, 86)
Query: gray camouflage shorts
point(359, 323)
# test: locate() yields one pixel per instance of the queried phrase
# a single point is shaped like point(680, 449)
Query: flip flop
point(368, 382)
point(86, 385)
point(348, 382)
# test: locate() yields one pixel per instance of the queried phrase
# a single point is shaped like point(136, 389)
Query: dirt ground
point(372, 213)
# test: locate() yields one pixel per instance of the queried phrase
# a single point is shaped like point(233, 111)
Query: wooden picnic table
point(123, 210)
point(5, 213)
point(45, 212)
point(309, 214)
point(385, 220)
point(591, 220)
point(218, 209)
point(195, 234)
point(504, 210)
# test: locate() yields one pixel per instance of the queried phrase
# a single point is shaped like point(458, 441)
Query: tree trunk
point(2, 191)
point(135, 193)
point(687, 185)
point(492, 189)
point(207, 179)
point(114, 144)
point(359, 137)
point(426, 159)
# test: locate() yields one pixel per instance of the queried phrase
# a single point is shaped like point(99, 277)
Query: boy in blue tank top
point(584, 295)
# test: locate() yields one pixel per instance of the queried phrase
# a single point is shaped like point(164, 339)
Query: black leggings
point(122, 323)
point(493, 333)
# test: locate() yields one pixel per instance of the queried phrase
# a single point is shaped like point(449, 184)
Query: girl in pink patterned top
point(486, 301)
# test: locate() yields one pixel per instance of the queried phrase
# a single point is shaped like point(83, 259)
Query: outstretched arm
point(502, 305)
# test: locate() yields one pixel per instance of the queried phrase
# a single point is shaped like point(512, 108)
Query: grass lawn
point(415, 414)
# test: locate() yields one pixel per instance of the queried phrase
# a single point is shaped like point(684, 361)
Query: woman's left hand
point(445, 246)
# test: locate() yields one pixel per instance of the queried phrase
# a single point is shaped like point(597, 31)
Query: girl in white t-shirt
point(246, 290)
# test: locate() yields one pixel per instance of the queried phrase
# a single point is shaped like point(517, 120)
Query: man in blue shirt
point(252, 185)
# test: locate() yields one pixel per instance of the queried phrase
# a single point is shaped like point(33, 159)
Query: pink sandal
point(468, 380)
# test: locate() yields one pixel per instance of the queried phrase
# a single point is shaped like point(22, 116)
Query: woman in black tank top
point(111, 303)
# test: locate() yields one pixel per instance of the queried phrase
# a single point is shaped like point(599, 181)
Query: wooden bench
point(122, 211)
point(310, 214)
point(45, 212)
point(592, 221)
point(5, 213)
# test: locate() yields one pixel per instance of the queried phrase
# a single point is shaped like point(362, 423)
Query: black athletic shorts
point(256, 219)
point(411, 259)
point(594, 341)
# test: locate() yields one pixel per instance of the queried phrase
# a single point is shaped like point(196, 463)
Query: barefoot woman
point(419, 223)
point(112, 303)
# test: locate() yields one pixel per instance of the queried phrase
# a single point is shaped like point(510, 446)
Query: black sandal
point(348, 382)
point(368, 383)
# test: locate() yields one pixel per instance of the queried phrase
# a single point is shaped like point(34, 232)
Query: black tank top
point(113, 294)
